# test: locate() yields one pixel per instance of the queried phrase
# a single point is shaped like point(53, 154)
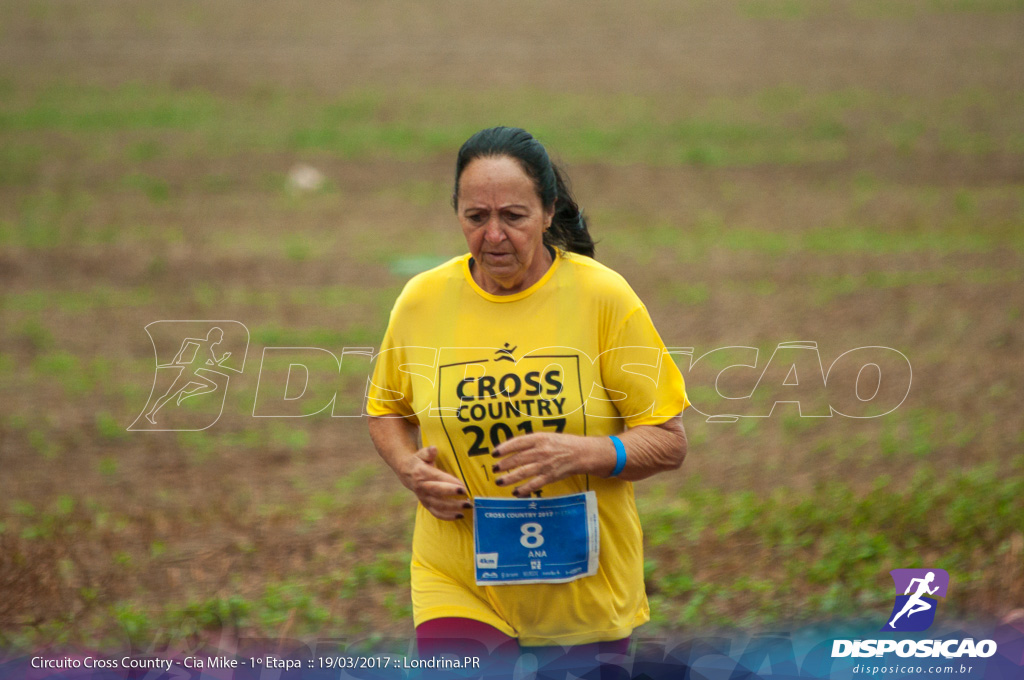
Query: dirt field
point(848, 173)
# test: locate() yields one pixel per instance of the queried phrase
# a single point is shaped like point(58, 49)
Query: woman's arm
point(441, 493)
point(549, 457)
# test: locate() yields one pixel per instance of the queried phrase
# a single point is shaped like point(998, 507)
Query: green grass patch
point(88, 109)
point(420, 123)
point(154, 188)
point(19, 163)
point(324, 338)
point(827, 288)
point(981, 6)
point(777, 9)
point(910, 9)
point(777, 126)
point(830, 535)
point(645, 237)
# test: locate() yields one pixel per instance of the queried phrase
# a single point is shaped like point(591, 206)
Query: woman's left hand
point(548, 457)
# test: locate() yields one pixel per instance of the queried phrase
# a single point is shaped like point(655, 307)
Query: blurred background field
point(761, 171)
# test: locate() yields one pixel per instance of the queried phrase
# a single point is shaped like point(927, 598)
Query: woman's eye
point(477, 218)
point(514, 217)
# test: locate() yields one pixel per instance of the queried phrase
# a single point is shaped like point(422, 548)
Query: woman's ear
point(549, 215)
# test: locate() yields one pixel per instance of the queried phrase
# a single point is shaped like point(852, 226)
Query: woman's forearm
point(529, 462)
point(442, 494)
point(395, 439)
point(651, 449)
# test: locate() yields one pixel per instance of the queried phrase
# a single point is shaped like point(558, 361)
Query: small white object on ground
point(303, 177)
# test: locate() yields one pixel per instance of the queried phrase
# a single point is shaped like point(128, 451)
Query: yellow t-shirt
point(576, 353)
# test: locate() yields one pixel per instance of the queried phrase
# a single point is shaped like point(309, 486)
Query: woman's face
point(504, 221)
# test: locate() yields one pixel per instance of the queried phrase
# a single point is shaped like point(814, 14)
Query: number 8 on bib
point(535, 540)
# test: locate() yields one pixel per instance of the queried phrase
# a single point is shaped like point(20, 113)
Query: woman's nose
point(493, 231)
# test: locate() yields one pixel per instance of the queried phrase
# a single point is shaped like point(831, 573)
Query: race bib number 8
point(535, 540)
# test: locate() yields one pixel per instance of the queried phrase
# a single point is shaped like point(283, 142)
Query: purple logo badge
point(916, 590)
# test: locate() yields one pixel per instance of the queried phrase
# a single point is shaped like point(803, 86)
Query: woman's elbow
point(677, 451)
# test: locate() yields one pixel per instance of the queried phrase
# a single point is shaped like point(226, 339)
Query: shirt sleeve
point(390, 390)
point(639, 374)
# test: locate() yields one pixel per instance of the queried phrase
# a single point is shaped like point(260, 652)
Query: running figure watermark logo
point(914, 610)
point(194, 362)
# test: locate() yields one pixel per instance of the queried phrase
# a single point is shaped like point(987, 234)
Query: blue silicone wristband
point(620, 455)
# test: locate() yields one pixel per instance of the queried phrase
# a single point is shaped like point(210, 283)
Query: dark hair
point(568, 226)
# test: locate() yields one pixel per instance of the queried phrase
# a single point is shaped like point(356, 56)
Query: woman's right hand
point(442, 494)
